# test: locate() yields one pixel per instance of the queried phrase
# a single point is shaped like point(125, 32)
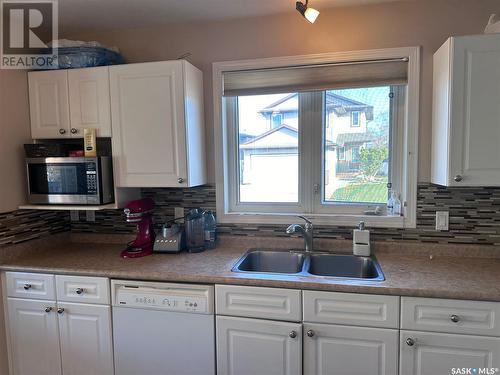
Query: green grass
point(362, 192)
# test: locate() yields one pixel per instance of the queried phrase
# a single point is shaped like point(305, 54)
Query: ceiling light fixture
point(308, 13)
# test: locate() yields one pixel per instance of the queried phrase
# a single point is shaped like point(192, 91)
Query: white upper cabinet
point(49, 107)
point(157, 122)
point(466, 112)
point(63, 102)
point(89, 100)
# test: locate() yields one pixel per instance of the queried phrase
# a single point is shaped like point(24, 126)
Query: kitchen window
point(346, 134)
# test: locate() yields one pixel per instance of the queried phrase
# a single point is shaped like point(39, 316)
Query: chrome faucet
point(306, 230)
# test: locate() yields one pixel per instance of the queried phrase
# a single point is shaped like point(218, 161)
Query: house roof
point(284, 136)
point(340, 104)
point(344, 138)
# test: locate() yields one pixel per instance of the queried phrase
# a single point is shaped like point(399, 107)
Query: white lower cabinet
point(34, 337)
point(86, 344)
point(345, 350)
point(49, 337)
point(428, 353)
point(257, 347)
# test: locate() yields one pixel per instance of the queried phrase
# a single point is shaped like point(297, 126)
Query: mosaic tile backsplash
point(474, 216)
point(25, 225)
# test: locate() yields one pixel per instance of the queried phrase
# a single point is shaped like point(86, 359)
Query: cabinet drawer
point(83, 289)
point(453, 316)
point(30, 285)
point(267, 303)
point(351, 309)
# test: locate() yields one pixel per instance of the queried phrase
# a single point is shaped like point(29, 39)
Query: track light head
point(308, 13)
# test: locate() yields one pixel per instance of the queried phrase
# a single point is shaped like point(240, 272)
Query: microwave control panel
point(91, 178)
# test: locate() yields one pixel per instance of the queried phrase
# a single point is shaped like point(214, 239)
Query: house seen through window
point(355, 160)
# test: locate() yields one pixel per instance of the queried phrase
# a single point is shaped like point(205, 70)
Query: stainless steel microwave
point(70, 180)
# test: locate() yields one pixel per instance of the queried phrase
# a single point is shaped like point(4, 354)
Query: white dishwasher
point(163, 328)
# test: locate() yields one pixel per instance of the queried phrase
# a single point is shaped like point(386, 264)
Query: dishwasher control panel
point(161, 296)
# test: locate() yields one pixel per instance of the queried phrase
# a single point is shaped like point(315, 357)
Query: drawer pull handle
point(27, 286)
point(60, 310)
point(455, 318)
point(48, 309)
point(310, 333)
point(293, 334)
point(62, 131)
point(410, 341)
point(79, 291)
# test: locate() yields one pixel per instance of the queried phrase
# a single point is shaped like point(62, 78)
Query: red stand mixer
point(139, 211)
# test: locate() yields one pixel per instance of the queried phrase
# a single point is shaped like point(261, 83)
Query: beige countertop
point(459, 272)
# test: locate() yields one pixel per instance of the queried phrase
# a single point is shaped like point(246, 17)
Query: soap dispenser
point(361, 241)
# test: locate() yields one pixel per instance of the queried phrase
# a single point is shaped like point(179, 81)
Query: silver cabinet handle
point(62, 131)
point(410, 342)
point(74, 131)
point(293, 334)
point(180, 180)
point(455, 318)
point(310, 333)
point(60, 310)
point(79, 291)
point(48, 309)
point(458, 178)
point(27, 286)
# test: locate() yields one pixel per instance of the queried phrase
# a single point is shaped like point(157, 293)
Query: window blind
point(316, 77)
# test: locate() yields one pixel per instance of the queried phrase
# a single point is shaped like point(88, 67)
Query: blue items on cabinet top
point(79, 54)
point(85, 57)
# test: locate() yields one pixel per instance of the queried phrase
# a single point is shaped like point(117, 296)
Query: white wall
point(14, 132)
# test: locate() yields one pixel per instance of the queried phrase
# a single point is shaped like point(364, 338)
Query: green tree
point(371, 160)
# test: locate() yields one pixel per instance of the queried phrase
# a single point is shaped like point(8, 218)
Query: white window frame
point(405, 157)
point(353, 125)
point(272, 119)
point(343, 153)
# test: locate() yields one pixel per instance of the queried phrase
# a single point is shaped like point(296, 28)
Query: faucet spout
point(306, 230)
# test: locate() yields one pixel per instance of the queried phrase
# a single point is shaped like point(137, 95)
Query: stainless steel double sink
point(300, 263)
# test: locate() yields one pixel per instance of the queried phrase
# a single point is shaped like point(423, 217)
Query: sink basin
point(345, 266)
point(348, 266)
point(270, 262)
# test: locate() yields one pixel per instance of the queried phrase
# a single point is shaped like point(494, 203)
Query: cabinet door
point(34, 337)
point(345, 350)
point(86, 339)
point(426, 353)
point(49, 106)
point(475, 130)
point(89, 101)
point(251, 346)
point(148, 122)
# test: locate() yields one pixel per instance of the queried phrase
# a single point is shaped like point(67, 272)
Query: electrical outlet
point(74, 215)
point(90, 215)
point(179, 212)
point(442, 220)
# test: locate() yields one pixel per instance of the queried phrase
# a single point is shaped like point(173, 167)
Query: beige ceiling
point(80, 15)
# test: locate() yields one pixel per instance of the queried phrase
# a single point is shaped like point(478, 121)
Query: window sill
point(316, 219)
